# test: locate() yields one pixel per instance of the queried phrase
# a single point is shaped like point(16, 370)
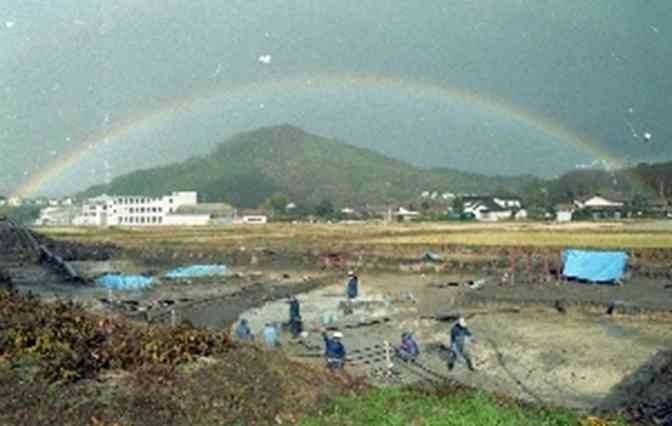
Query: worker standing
point(334, 350)
point(352, 288)
point(271, 336)
point(458, 334)
point(294, 308)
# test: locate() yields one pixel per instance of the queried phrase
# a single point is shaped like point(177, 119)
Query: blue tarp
point(124, 282)
point(595, 266)
point(195, 271)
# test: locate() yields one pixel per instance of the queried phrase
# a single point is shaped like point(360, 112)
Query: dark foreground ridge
point(59, 362)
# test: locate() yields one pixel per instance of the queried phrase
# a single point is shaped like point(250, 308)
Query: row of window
point(139, 200)
point(147, 210)
point(141, 220)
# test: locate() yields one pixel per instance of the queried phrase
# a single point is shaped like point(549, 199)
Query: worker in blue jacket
point(294, 308)
point(409, 350)
point(270, 334)
point(352, 289)
point(458, 335)
point(243, 332)
point(334, 350)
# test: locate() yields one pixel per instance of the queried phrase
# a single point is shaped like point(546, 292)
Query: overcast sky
point(166, 79)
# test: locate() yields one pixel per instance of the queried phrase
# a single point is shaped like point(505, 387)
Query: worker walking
point(295, 326)
point(352, 288)
point(458, 334)
point(334, 350)
point(243, 332)
point(409, 350)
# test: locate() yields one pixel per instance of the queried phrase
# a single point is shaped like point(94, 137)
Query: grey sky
point(70, 70)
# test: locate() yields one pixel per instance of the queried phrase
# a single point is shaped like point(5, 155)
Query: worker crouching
point(334, 350)
point(409, 349)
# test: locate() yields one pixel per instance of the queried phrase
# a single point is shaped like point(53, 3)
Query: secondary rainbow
point(325, 81)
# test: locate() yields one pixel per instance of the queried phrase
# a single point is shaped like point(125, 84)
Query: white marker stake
point(388, 359)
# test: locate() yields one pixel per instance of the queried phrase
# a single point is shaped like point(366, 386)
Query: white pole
point(388, 359)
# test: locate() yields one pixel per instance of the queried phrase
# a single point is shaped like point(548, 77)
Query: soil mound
point(58, 362)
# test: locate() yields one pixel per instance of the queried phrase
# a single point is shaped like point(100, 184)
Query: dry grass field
point(381, 239)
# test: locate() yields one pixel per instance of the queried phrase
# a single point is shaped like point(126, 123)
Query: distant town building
point(448, 196)
point(57, 216)
point(597, 202)
point(405, 214)
point(564, 212)
point(601, 207)
point(117, 210)
point(250, 217)
point(15, 201)
point(494, 208)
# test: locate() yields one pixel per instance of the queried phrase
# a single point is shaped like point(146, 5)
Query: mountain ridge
point(249, 167)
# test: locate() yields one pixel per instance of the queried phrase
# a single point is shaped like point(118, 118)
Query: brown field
point(383, 239)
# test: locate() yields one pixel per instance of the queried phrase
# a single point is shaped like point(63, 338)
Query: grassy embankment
point(403, 407)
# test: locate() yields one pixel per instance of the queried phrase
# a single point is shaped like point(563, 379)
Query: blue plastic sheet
point(195, 271)
point(124, 282)
point(595, 266)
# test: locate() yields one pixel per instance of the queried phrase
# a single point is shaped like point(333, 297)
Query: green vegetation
point(23, 214)
point(253, 167)
point(403, 407)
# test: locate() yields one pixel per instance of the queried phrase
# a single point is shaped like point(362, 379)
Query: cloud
point(265, 59)
point(9, 24)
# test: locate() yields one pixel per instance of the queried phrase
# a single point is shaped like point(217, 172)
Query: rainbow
point(339, 81)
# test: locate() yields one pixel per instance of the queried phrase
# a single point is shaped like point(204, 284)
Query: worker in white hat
point(334, 350)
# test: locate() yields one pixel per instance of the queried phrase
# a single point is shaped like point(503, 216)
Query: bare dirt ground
point(539, 340)
point(533, 352)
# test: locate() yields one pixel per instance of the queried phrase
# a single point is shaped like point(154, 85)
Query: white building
point(108, 210)
point(596, 202)
point(508, 202)
point(57, 216)
point(493, 209)
point(250, 217)
point(448, 196)
point(405, 214)
point(564, 212)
